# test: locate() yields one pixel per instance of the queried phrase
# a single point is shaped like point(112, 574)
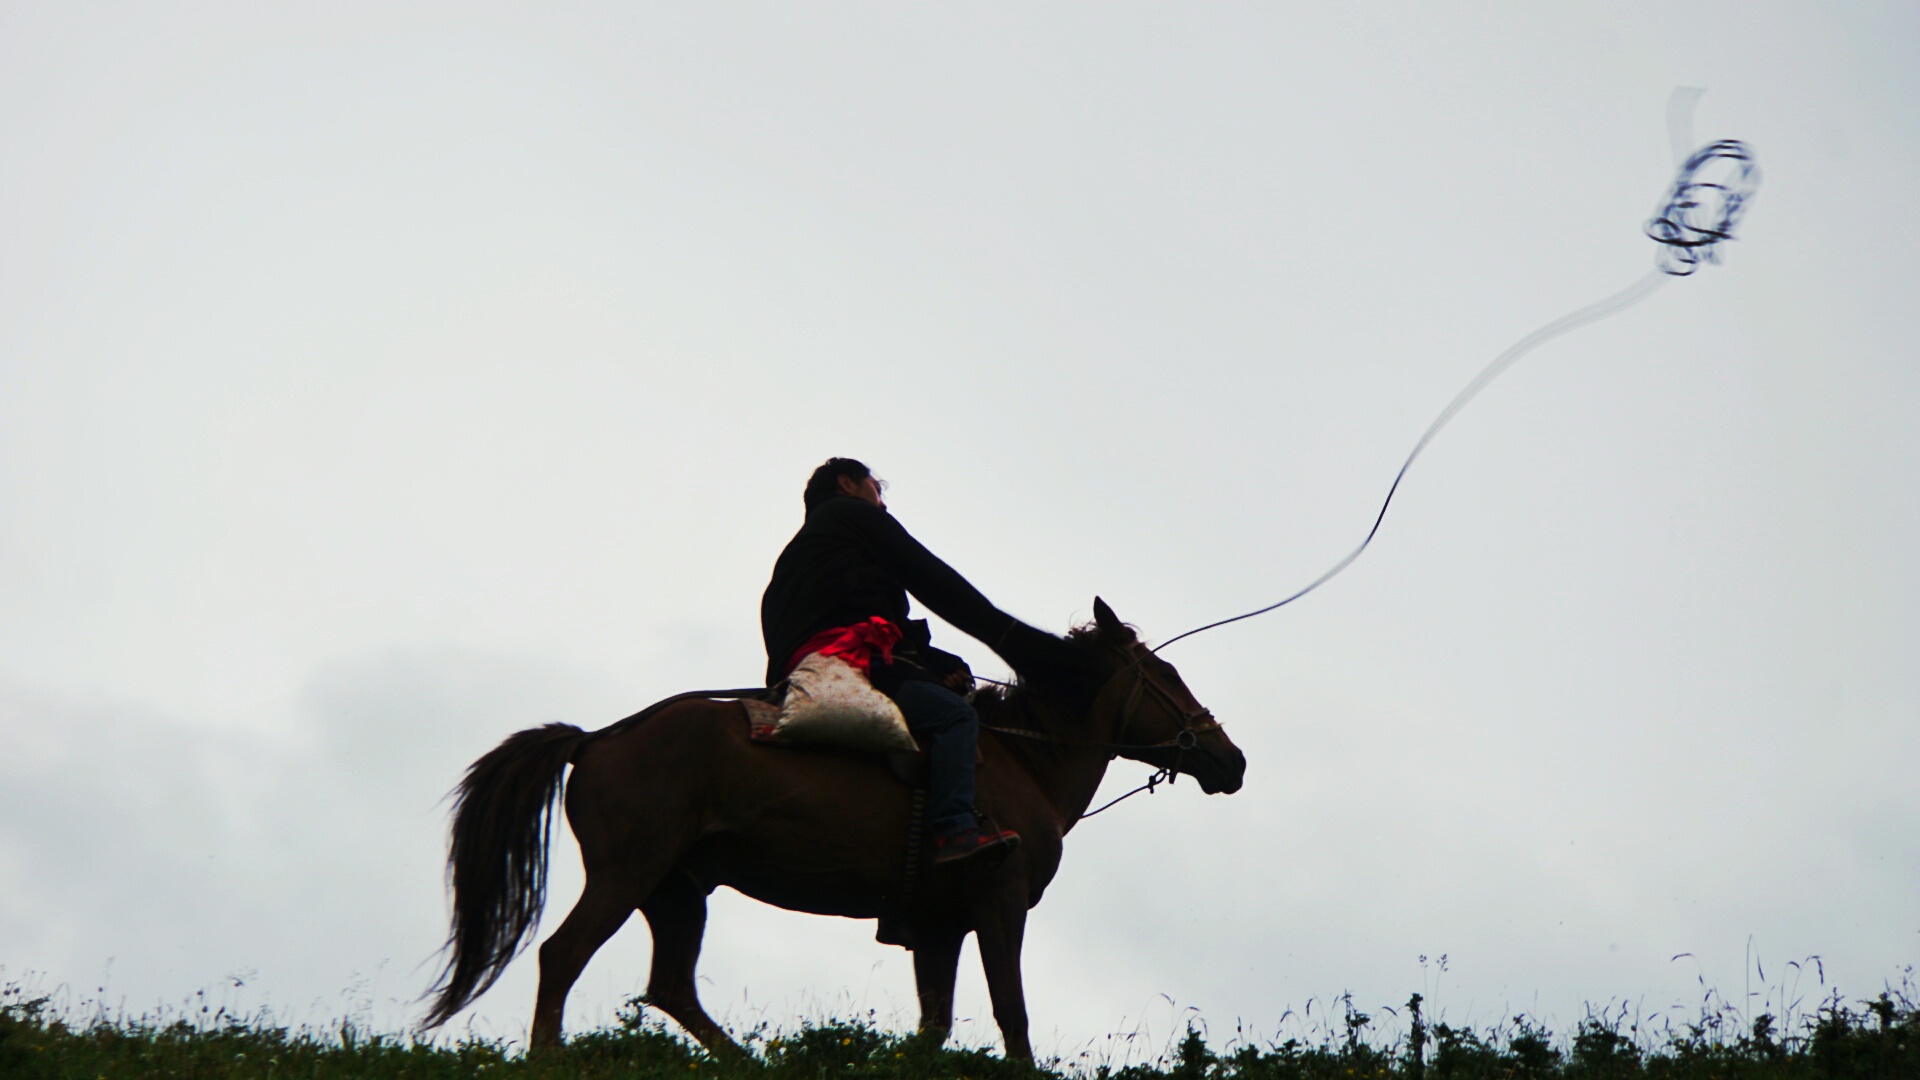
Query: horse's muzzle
point(1218, 772)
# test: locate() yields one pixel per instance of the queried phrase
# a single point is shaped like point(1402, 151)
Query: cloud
point(186, 852)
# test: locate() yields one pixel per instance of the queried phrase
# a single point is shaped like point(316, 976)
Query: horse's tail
point(497, 860)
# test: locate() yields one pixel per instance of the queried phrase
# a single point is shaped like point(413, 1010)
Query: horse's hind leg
point(677, 914)
point(602, 909)
point(936, 961)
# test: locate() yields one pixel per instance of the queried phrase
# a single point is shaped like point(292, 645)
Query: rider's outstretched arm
point(940, 587)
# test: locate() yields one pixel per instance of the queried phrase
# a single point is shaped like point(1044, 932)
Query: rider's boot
point(974, 846)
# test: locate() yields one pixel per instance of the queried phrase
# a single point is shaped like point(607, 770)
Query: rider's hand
point(1036, 654)
point(959, 680)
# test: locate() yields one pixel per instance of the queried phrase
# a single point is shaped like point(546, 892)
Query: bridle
point(1193, 724)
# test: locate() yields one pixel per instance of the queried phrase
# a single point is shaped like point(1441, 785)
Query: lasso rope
point(1702, 209)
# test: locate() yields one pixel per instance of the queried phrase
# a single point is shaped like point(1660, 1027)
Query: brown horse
point(677, 800)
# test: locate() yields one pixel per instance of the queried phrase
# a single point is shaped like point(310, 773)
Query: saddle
point(763, 718)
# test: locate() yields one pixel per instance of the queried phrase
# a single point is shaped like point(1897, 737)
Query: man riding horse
point(842, 585)
point(680, 798)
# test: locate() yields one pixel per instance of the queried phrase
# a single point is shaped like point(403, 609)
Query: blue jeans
point(947, 728)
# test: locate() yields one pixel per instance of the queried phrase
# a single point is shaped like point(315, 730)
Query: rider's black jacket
point(850, 561)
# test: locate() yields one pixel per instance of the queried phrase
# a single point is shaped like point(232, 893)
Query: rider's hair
point(824, 484)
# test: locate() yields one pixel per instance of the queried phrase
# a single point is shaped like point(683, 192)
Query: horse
point(678, 800)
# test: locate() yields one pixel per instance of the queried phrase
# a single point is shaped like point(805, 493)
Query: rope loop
point(1708, 197)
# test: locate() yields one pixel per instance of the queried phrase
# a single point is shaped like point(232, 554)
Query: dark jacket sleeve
point(932, 582)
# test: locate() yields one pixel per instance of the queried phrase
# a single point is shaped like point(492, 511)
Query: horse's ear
point(1107, 621)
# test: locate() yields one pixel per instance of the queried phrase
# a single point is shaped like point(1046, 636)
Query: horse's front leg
point(1001, 922)
point(936, 961)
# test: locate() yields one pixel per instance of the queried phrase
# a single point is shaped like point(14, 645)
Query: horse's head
point(1152, 715)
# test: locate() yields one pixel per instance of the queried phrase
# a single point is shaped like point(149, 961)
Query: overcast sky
point(377, 380)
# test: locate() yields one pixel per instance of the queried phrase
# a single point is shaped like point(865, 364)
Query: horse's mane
point(1041, 705)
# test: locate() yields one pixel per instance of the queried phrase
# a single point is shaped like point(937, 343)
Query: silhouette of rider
point(852, 563)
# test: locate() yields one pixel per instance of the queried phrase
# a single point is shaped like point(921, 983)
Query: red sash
point(855, 644)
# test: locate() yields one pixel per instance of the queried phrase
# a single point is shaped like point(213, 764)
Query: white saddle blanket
point(830, 701)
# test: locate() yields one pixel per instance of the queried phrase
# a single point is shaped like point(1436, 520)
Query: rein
point(621, 726)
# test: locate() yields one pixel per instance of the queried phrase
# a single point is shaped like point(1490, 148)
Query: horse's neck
point(1067, 772)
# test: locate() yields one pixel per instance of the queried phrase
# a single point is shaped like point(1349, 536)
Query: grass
point(1874, 1038)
